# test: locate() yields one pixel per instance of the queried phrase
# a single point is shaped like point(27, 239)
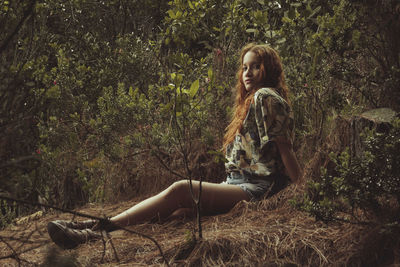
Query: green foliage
point(8, 213)
point(88, 88)
point(362, 189)
point(338, 59)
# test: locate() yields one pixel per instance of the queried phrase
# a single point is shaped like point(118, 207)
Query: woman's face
point(251, 71)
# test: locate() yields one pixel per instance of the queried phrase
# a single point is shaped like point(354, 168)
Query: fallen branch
point(102, 221)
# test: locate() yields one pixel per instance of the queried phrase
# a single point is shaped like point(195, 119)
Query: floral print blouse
point(254, 151)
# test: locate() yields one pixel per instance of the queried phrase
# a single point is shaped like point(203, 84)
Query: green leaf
point(194, 88)
point(228, 29)
point(210, 74)
point(296, 4)
point(316, 10)
point(171, 13)
point(53, 92)
point(251, 30)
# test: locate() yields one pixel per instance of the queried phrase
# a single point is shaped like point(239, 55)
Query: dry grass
point(264, 233)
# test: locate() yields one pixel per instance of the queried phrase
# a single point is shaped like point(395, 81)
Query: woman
point(258, 145)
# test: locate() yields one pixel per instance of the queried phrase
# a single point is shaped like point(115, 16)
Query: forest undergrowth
point(266, 233)
point(103, 103)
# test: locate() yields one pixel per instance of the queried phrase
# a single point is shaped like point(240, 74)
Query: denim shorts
point(257, 188)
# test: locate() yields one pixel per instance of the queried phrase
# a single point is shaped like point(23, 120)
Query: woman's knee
point(179, 191)
point(178, 187)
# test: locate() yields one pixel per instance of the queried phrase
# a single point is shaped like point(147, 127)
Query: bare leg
point(182, 213)
point(216, 198)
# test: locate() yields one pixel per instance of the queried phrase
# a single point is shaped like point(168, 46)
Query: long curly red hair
point(272, 75)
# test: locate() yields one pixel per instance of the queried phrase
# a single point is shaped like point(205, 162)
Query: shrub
point(363, 189)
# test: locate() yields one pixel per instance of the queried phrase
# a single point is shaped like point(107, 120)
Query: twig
point(26, 239)
point(18, 160)
point(14, 254)
point(103, 254)
point(199, 209)
point(27, 13)
point(112, 246)
point(168, 168)
point(102, 221)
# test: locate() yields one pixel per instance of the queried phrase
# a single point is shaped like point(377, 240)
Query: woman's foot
point(88, 224)
point(68, 238)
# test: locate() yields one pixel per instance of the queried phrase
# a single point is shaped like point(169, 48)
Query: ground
point(265, 233)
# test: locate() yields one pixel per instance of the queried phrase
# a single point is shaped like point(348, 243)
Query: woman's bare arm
point(289, 160)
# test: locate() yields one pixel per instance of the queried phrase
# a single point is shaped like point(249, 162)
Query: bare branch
point(27, 13)
point(102, 221)
point(14, 254)
point(168, 168)
point(16, 162)
point(112, 246)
